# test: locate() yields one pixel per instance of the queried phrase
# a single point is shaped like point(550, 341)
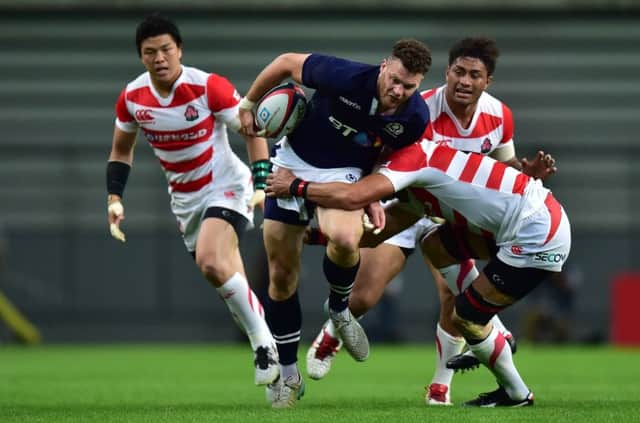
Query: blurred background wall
point(570, 71)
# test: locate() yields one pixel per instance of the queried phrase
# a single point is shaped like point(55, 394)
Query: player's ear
point(489, 80)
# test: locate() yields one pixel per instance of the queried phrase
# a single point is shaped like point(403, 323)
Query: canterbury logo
point(144, 115)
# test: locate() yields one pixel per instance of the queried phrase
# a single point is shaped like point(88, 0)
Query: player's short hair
point(154, 25)
point(481, 48)
point(414, 55)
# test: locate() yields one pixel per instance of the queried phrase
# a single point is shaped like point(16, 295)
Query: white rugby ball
point(281, 110)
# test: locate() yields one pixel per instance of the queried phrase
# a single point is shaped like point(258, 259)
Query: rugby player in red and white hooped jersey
point(184, 113)
point(531, 231)
point(465, 117)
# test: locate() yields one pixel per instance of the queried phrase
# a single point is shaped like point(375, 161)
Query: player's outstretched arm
point(336, 195)
point(118, 168)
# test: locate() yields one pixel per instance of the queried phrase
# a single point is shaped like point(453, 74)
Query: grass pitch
point(214, 383)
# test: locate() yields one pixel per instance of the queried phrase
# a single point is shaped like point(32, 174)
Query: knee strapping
point(472, 307)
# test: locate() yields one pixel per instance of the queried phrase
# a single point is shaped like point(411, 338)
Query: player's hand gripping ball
point(280, 110)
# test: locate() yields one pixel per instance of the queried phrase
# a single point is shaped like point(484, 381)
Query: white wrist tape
point(246, 104)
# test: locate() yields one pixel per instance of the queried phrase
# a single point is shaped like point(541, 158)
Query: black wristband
point(260, 170)
point(298, 188)
point(117, 175)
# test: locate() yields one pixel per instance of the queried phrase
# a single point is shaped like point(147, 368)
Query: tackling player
point(355, 111)
point(184, 113)
point(530, 228)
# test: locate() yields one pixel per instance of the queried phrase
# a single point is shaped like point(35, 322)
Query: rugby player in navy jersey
point(356, 110)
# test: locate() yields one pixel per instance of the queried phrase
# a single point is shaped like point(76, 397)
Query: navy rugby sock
point(340, 281)
point(285, 320)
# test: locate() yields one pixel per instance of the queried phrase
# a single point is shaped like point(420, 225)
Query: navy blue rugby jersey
point(340, 127)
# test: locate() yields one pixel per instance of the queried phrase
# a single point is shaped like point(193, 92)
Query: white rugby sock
point(494, 352)
point(497, 323)
point(246, 310)
point(459, 276)
point(447, 346)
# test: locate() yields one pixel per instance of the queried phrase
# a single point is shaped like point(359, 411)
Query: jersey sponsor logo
point(486, 146)
point(550, 258)
point(394, 129)
point(144, 116)
point(191, 113)
point(345, 129)
point(516, 249)
point(173, 136)
point(350, 103)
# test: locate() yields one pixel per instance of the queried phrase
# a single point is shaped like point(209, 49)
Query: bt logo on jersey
point(144, 115)
point(343, 127)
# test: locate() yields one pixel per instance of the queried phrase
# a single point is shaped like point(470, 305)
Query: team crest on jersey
point(394, 129)
point(191, 113)
point(486, 146)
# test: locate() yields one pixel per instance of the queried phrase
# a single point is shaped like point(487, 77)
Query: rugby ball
point(280, 110)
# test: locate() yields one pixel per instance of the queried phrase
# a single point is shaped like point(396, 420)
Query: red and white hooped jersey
point(486, 193)
point(491, 127)
point(187, 129)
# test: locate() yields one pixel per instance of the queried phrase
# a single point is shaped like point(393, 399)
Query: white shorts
point(287, 158)
point(410, 237)
point(543, 240)
point(231, 188)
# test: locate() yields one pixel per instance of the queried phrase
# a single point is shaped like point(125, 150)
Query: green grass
point(213, 383)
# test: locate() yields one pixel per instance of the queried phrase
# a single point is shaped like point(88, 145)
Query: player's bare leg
point(218, 258)
point(283, 245)
point(378, 266)
point(343, 230)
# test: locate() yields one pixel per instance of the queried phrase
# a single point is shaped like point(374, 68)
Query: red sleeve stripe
point(520, 184)
point(192, 186)
point(121, 109)
point(507, 128)
point(442, 157)
point(555, 211)
point(471, 168)
point(188, 165)
point(495, 177)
